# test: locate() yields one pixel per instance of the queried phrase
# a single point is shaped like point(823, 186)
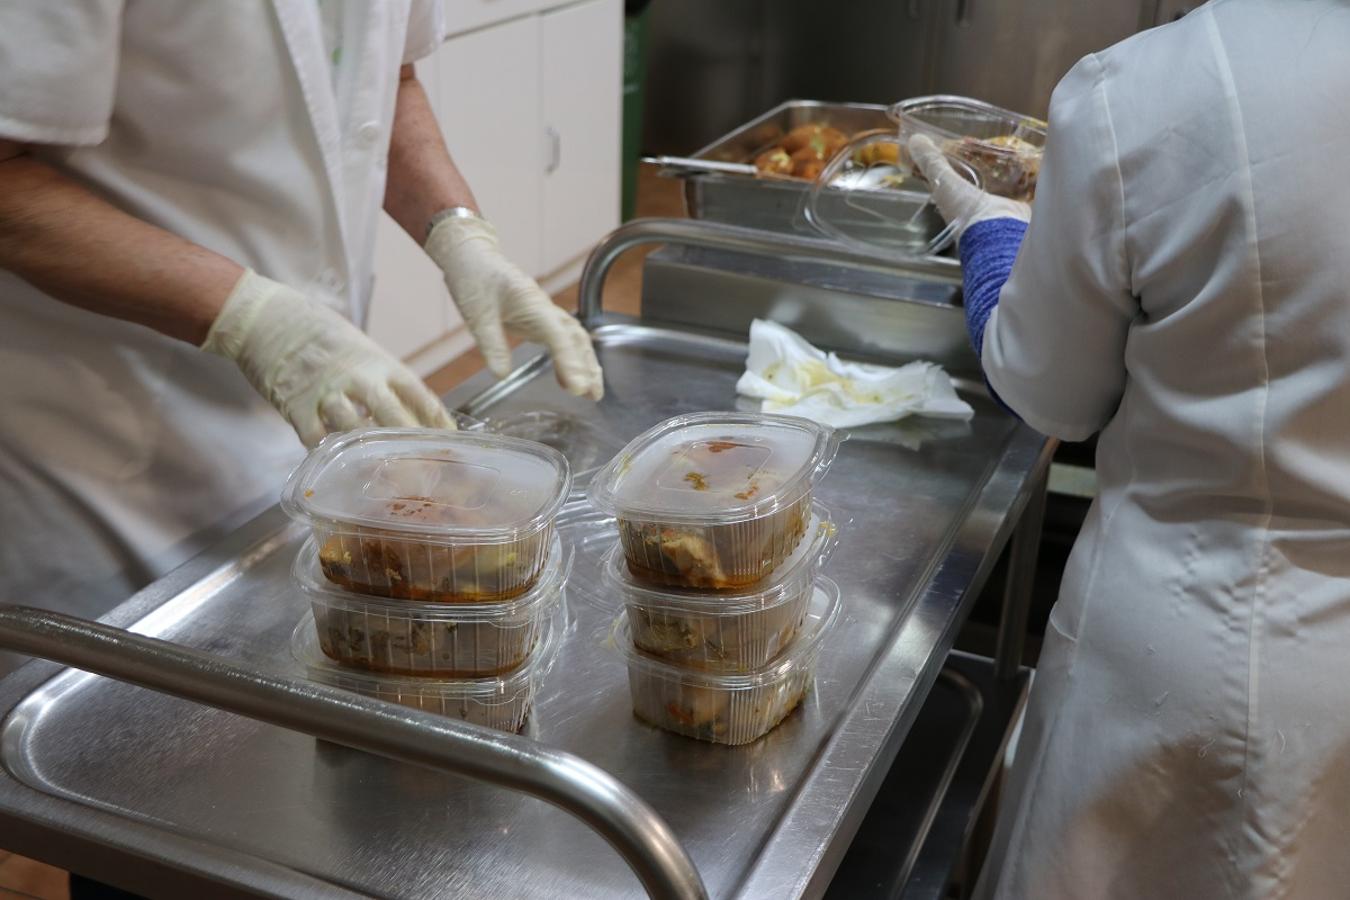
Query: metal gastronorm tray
point(777, 204)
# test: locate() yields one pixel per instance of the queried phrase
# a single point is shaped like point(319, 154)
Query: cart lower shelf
point(911, 842)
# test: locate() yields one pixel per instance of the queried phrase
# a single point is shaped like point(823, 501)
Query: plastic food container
point(727, 632)
point(503, 702)
point(446, 640)
point(1004, 147)
point(728, 709)
point(419, 514)
point(714, 501)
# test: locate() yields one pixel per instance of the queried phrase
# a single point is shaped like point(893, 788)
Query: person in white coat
point(1183, 288)
point(179, 176)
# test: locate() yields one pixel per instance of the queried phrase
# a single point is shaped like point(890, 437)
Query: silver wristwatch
point(454, 212)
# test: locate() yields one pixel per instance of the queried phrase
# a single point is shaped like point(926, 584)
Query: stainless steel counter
point(162, 795)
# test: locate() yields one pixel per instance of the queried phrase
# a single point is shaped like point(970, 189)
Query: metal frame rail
point(714, 235)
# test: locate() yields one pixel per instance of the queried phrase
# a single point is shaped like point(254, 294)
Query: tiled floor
point(27, 879)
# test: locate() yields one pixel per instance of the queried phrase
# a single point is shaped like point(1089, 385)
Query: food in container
point(724, 632)
point(503, 702)
point(1010, 163)
point(421, 514)
point(1003, 147)
point(722, 708)
point(447, 640)
point(714, 500)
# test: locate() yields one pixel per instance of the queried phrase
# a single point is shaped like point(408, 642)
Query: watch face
point(454, 212)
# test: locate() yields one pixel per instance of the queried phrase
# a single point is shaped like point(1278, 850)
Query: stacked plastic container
point(718, 569)
point(433, 572)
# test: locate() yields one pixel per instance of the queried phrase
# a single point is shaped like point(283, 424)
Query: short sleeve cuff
point(26, 132)
point(426, 30)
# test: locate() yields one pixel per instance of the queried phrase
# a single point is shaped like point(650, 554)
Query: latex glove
point(956, 198)
point(494, 296)
point(319, 370)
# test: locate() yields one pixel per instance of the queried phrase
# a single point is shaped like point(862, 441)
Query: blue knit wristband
point(988, 250)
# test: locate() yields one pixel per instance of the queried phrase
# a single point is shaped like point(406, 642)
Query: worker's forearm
point(422, 179)
point(84, 251)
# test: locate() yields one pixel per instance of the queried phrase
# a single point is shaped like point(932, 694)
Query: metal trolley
point(202, 761)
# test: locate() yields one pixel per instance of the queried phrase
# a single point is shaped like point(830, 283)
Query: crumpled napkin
point(796, 379)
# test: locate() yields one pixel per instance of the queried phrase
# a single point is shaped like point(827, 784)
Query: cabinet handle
point(963, 11)
point(913, 9)
point(554, 149)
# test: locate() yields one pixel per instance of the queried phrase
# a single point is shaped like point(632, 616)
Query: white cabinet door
point(487, 96)
point(582, 69)
point(410, 307)
point(466, 15)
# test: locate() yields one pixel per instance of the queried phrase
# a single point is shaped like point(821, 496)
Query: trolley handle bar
point(718, 236)
point(594, 796)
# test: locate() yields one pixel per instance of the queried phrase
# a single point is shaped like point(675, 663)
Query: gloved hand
point(956, 198)
point(494, 296)
point(318, 369)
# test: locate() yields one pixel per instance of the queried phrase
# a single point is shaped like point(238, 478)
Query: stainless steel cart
point(146, 781)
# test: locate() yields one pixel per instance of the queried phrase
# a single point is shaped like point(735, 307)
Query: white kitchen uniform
point(1185, 286)
point(123, 451)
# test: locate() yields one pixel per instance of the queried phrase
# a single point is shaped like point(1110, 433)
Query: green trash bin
point(634, 70)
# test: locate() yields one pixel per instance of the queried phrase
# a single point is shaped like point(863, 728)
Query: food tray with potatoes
point(806, 129)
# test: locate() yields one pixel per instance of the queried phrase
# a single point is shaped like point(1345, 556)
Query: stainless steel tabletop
point(96, 766)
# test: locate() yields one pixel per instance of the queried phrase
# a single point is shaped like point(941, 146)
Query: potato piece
point(830, 142)
point(806, 164)
point(824, 140)
point(774, 162)
point(879, 153)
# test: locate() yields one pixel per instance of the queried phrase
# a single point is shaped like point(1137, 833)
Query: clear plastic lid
point(493, 689)
point(1003, 146)
point(546, 591)
point(821, 616)
point(869, 200)
point(786, 582)
point(954, 117)
point(433, 485)
point(715, 468)
point(589, 534)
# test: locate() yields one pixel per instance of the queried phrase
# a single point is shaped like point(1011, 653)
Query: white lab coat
point(123, 451)
point(1185, 286)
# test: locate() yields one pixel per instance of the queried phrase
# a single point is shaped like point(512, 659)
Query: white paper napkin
point(796, 379)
